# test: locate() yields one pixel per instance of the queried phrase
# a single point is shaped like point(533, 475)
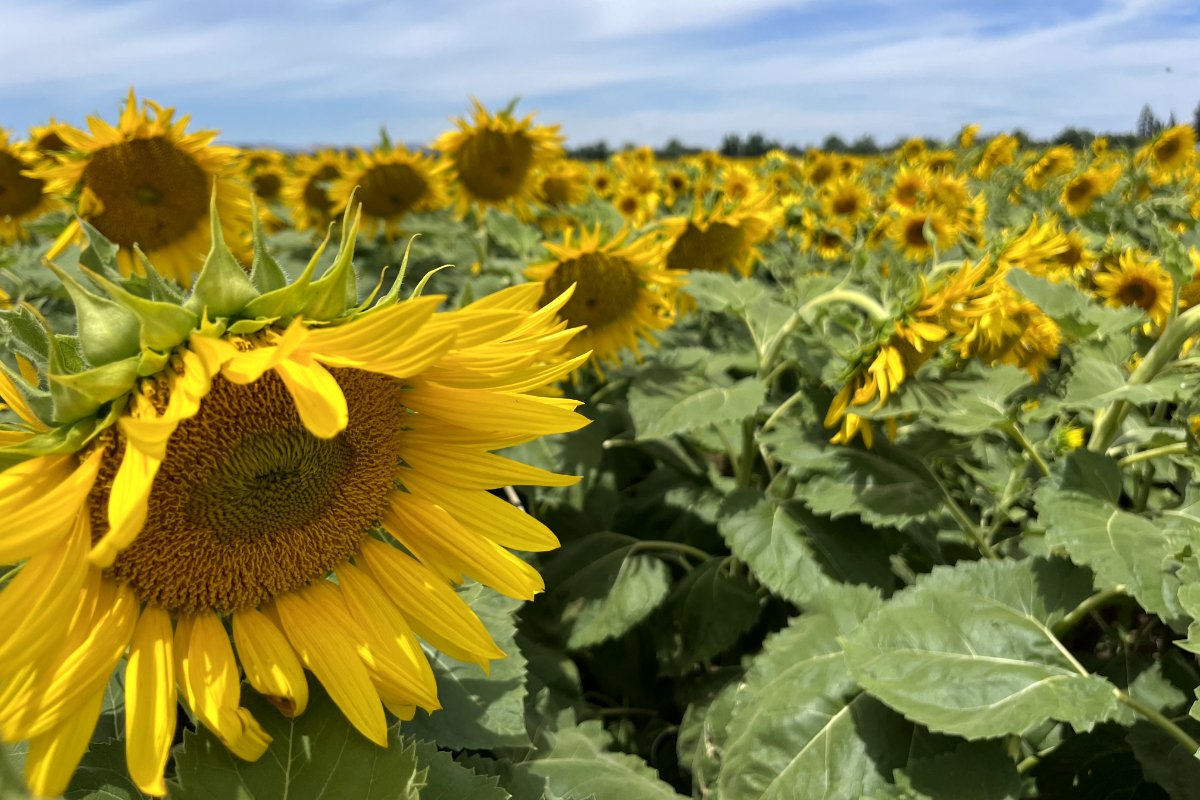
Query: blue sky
point(334, 71)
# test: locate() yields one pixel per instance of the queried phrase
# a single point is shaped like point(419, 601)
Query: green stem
point(1017, 435)
point(1174, 731)
point(1164, 351)
point(672, 547)
point(964, 522)
point(748, 453)
point(770, 352)
point(783, 408)
point(1176, 449)
point(1089, 604)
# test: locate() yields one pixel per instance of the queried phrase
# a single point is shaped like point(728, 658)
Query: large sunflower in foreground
point(390, 182)
point(622, 293)
point(147, 183)
point(23, 197)
point(492, 158)
point(723, 237)
point(221, 489)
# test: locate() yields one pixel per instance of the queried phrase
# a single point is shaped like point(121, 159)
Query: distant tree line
point(757, 144)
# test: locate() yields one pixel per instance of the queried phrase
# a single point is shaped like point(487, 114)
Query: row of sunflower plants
point(809, 476)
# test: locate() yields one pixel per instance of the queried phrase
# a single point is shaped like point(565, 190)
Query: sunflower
point(23, 197)
point(492, 159)
point(966, 137)
point(845, 200)
point(602, 181)
point(1036, 249)
point(998, 326)
point(1169, 153)
point(265, 172)
point(1054, 162)
point(676, 184)
point(48, 139)
point(727, 236)
point(306, 190)
point(1138, 281)
point(1080, 192)
point(821, 168)
point(908, 187)
point(636, 207)
point(561, 184)
point(238, 479)
point(391, 182)
point(147, 183)
point(999, 152)
point(830, 239)
point(739, 182)
point(622, 292)
point(918, 231)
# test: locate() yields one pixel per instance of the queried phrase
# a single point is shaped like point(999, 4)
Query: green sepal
point(223, 287)
point(393, 295)
point(100, 255)
point(81, 394)
point(152, 362)
point(163, 325)
point(265, 272)
point(107, 331)
point(244, 326)
point(287, 301)
point(37, 399)
point(420, 287)
point(336, 290)
point(66, 355)
point(61, 440)
point(28, 333)
point(160, 288)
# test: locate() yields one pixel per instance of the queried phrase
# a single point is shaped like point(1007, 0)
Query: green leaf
point(800, 728)
point(103, 774)
point(978, 770)
point(883, 486)
point(316, 755)
point(1096, 382)
point(969, 651)
point(715, 404)
point(449, 780)
point(718, 291)
point(1092, 473)
point(966, 402)
point(576, 765)
point(479, 711)
point(705, 613)
point(12, 762)
point(1120, 547)
point(1078, 317)
point(1167, 762)
point(702, 734)
point(601, 587)
point(78, 395)
point(100, 254)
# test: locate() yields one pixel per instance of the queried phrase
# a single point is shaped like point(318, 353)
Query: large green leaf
point(800, 727)
point(704, 614)
point(969, 651)
point(102, 775)
point(446, 779)
point(966, 402)
point(883, 486)
point(479, 711)
point(1120, 547)
point(978, 770)
point(317, 755)
point(661, 414)
point(577, 765)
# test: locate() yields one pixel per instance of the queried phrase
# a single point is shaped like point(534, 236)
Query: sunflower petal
point(53, 756)
point(127, 505)
point(319, 399)
point(269, 661)
point(150, 700)
point(39, 500)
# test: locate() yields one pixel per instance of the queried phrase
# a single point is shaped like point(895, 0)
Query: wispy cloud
point(617, 69)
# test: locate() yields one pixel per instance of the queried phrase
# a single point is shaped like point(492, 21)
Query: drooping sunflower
point(391, 182)
point(48, 139)
point(721, 238)
point(999, 152)
point(233, 473)
point(23, 197)
point(966, 137)
point(306, 190)
point(1138, 281)
point(491, 159)
point(147, 183)
point(622, 292)
point(1170, 152)
point(1056, 161)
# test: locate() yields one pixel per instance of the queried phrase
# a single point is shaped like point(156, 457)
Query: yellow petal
point(366, 333)
point(150, 700)
point(249, 366)
point(318, 630)
point(398, 357)
point(13, 398)
point(54, 755)
point(41, 599)
point(127, 504)
point(431, 534)
point(486, 514)
point(493, 411)
point(39, 500)
point(269, 662)
point(469, 469)
point(319, 400)
point(435, 611)
point(403, 670)
point(208, 678)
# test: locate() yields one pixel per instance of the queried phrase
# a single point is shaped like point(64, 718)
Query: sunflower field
point(470, 471)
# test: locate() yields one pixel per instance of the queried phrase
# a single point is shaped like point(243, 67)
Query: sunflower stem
point(770, 351)
point(671, 547)
point(1014, 431)
point(1089, 604)
point(1164, 351)
point(1152, 715)
point(1176, 449)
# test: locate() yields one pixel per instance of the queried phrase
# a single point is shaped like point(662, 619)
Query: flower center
point(492, 165)
point(1137, 292)
point(152, 193)
point(389, 190)
point(713, 249)
point(18, 193)
point(249, 505)
point(606, 289)
point(267, 185)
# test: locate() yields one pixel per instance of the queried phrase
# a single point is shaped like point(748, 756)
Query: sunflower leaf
point(969, 651)
point(664, 413)
point(449, 780)
point(692, 631)
point(316, 755)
